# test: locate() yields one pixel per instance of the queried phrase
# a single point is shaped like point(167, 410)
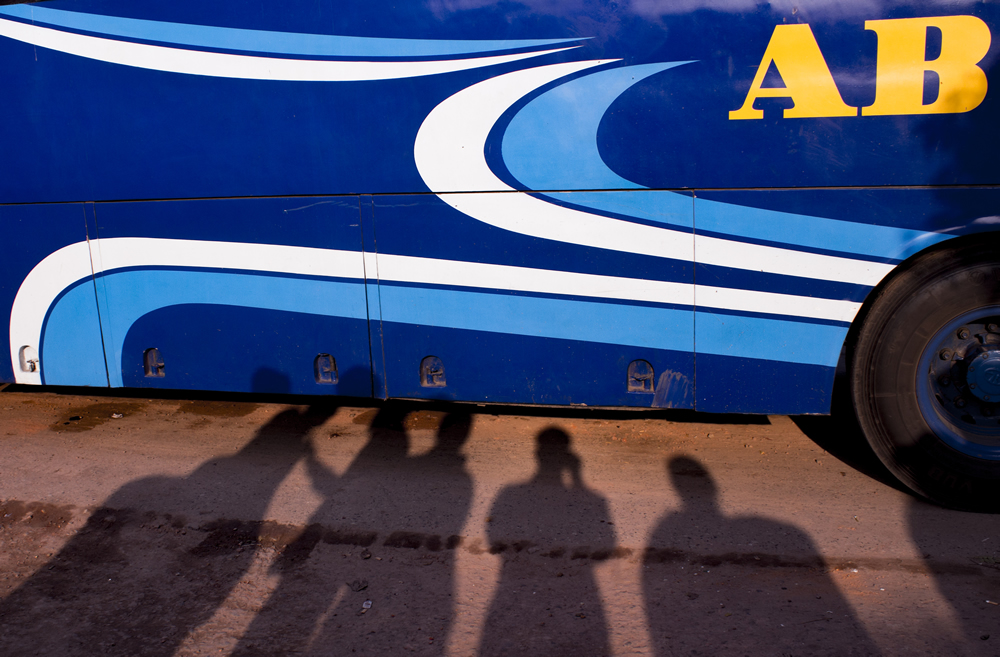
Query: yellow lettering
point(899, 72)
point(808, 82)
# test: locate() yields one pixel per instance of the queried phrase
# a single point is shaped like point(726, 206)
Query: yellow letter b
point(899, 73)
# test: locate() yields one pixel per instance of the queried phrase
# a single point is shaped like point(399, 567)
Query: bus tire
point(925, 377)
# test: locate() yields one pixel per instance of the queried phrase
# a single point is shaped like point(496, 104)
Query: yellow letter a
point(808, 81)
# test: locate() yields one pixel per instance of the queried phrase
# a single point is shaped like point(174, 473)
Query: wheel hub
point(960, 398)
point(983, 373)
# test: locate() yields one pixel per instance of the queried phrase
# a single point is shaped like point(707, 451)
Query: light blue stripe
point(639, 326)
point(72, 350)
point(768, 339)
point(753, 223)
point(286, 43)
point(814, 232)
point(374, 304)
point(133, 294)
point(73, 354)
point(663, 207)
point(605, 323)
point(552, 142)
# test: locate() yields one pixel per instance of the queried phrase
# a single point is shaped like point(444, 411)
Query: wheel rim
point(958, 383)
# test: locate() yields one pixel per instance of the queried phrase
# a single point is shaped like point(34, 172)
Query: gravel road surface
point(236, 525)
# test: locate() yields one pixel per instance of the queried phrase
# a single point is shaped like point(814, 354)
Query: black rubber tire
point(902, 321)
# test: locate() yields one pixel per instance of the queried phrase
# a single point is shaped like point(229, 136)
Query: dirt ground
point(244, 526)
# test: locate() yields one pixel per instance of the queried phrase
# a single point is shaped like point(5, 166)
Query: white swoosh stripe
point(770, 303)
point(450, 144)
point(772, 260)
point(223, 65)
point(68, 265)
point(408, 269)
point(122, 252)
point(450, 156)
point(37, 293)
point(71, 264)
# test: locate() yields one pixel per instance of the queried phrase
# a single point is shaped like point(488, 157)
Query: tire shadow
point(840, 435)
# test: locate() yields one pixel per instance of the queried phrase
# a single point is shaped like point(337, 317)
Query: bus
point(688, 204)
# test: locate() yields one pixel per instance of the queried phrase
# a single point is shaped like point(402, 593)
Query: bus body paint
point(536, 197)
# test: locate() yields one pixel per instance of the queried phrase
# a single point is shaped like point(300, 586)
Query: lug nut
point(945, 381)
point(972, 368)
point(963, 333)
point(960, 402)
point(993, 328)
point(945, 354)
point(985, 355)
point(972, 386)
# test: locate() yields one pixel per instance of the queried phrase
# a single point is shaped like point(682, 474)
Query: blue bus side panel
point(785, 363)
point(256, 324)
point(70, 348)
point(512, 333)
point(214, 347)
point(658, 117)
point(376, 339)
point(202, 136)
point(207, 136)
point(428, 226)
point(503, 368)
point(749, 385)
point(323, 222)
point(789, 216)
point(685, 110)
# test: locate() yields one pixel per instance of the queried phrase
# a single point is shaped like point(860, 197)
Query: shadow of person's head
point(387, 436)
point(452, 434)
point(555, 457)
point(287, 436)
point(693, 483)
point(292, 426)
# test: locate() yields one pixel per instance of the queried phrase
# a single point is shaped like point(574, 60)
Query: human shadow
point(547, 604)
point(418, 503)
point(717, 585)
point(111, 591)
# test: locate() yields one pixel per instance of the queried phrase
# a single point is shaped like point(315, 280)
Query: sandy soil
point(237, 525)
